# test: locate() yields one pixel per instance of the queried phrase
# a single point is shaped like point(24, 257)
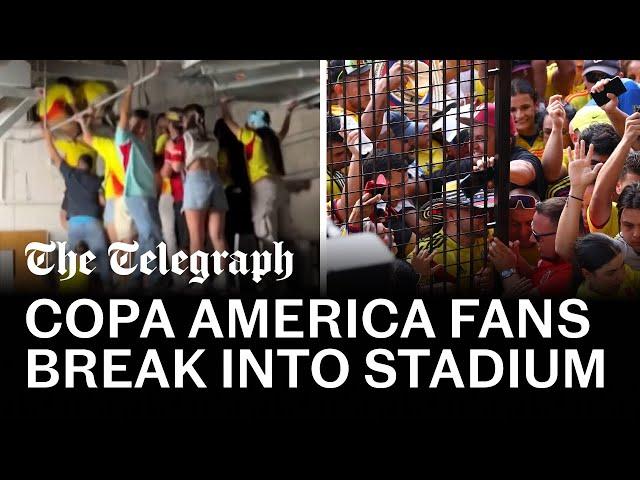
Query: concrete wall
point(31, 189)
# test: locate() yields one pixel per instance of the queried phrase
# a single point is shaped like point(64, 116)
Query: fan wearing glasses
point(552, 275)
point(522, 206)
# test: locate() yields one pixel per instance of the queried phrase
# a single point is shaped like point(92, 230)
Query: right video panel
point(502, 178)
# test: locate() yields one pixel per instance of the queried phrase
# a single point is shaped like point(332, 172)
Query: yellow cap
point(588, 115)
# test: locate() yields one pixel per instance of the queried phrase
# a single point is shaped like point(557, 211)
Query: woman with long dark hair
point(265, 166)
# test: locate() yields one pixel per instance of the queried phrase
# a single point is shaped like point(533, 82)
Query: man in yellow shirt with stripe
point(460, 246)
point(619, 220)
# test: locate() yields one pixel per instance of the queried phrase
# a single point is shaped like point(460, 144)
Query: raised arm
point(521, 173)
point(352, 191)
point(287, 120)
point(373, 115)
point(125, 109)
point(226, 116)
point(581, 175)
point(53, 152)
point(611, 108)
point(552, 156)
point(564, 77)
point(600, 207)
point(87, 136)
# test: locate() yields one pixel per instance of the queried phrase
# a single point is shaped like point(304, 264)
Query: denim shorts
point(203, 190)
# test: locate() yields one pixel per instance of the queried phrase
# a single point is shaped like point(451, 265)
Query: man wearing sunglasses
point(552, 275)
point(522, 206)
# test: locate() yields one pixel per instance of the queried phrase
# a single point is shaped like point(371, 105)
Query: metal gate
point(406, 159)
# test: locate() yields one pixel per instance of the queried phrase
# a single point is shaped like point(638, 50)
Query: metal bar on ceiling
point(21, 109)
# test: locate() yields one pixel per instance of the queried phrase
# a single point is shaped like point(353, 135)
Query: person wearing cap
point(595, 70)
point(552, 275)
point(386, 174)
point(612, 110)
point(413, 136)
point(269, 197)
point(349, 90)
point(459, 246)
point(525, 169)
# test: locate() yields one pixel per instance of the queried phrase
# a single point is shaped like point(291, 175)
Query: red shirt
point(176, 154)
point(553, 278)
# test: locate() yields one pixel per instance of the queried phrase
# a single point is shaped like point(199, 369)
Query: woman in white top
point(205, 204)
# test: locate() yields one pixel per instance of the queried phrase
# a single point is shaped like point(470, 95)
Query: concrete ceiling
point(269, 81)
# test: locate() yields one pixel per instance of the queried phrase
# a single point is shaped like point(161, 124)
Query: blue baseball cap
point(401, 126)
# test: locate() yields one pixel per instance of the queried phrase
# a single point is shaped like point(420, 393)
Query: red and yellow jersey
point(113, 167)
point(57, 97)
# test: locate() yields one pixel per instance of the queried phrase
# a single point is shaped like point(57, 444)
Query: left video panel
point(145, 176)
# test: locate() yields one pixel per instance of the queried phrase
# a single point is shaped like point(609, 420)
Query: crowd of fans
point(412, 155)
point(174, 183)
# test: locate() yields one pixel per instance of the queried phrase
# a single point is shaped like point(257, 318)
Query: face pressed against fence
point(412, 166)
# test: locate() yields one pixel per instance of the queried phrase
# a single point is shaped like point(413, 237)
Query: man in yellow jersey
point(460, 246)
point(58, 102)
point(619, 220)
point(113, 174)
point(269, 197)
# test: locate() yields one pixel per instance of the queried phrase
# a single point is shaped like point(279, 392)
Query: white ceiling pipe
point(301, 73)
point(245, 67)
